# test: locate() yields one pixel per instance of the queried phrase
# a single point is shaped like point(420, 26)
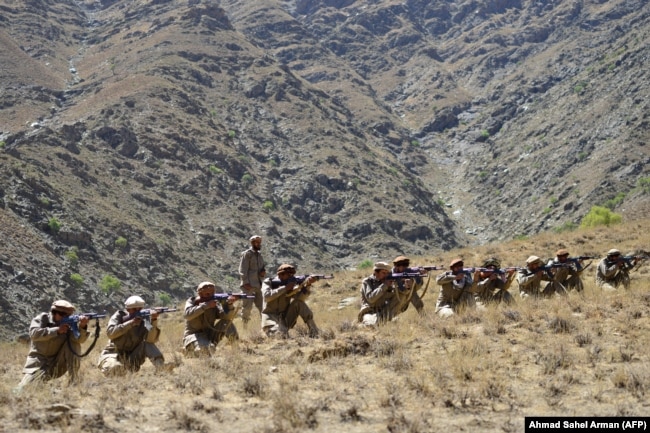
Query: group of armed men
point(56, 336)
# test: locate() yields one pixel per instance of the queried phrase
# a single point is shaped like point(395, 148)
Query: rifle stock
point(73, 321)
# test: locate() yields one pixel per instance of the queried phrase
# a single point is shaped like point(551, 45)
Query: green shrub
point(612, 203)
point(77, 280)
point(247, 179)
point(72, 256)
point(165, 299)
point(644, 184)
point(2, 144)
point(215, 170)
point(121, 242)
point(54, 225)
point(598, 216)
point(367, 263)
point(415, 143)
point(268, 205)
point(566, 227)
point(231, 134)
point(109, 284)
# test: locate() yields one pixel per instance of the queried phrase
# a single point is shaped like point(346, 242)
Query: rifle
point(146, 315)
point(628, 260)
point(426, 268)
point(576, 261)
point(224, 296)
point(300, 281)
point(400, 275)
point(73, 321)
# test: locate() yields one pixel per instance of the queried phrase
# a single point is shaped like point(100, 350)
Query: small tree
point(367, 263)
point(110, 284)
point(599, 215)
point(72, 256)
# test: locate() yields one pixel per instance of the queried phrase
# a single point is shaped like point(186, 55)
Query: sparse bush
point(598, 216)
point(644, 184)
point(215, 170)
point(54, 225)
point(231, 134)
point(367, 263)
point(415, 143)
point(77, 280)
point(121, 242)
point(612, 203)
point(568, 226)
point(268, 206)
point(109, 284)
point(247, 179)
point(2, 144)
point(165, 299)
point(72, 256)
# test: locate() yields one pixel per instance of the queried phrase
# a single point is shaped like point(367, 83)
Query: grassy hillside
point(479, 371)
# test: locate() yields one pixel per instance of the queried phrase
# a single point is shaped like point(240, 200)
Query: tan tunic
point(454, 293)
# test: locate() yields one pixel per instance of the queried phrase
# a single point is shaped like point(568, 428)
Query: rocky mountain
point(144, 141)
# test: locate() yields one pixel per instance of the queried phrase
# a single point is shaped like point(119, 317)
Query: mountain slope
point(338, 130)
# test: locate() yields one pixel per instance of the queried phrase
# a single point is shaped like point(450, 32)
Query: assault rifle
point(628, 260)
point(73, 321)
point(298, 279)
point(426, 268)
point(576, 261)
point(224, 296)
point(401, 275)
point(146, 315)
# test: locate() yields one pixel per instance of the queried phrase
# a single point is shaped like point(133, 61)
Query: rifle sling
point(97, 331)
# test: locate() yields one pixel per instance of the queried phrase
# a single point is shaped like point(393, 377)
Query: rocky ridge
point(147, 140)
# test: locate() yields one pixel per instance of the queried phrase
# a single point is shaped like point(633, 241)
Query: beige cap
point(382, 266)
point(562, 252)
point(613, 252)
point(534, 259)
point(456, 262)
point(64, 306)
point(204, 284)
point(255, 237)
point(134, 302)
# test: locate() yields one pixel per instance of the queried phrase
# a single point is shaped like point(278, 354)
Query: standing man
point(401, 265)
point(566, 272)
point(530, 280)
point(379, 302)
point(53, 347)
point(207, 321)
point(252, 272)
point(284, 302)
point(613, 271)
point(457, 288)
point(132, 340)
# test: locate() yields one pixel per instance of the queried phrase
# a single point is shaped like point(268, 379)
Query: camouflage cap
point(492, 262)
point(381, 266)
point(64, 306)
point(401, 261)
point(134, 302)
point(613, 252)
point(455, 262)
point(562, 252)
point(534, 259)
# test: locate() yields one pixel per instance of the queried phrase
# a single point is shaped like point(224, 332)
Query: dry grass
point(483, 370)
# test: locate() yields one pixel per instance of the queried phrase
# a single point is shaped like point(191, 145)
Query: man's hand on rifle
point(83, 321)
point(63, 328)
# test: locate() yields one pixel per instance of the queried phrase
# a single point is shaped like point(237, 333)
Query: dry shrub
point(636, 380)
point(350, 345)
point(254, 384)
point(554, 359)
point(184, 421)
point(560, 325)
point(400, 423)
